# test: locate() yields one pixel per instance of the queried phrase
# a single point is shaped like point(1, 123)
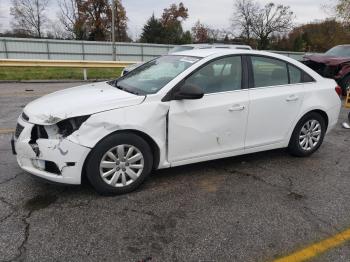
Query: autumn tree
point(92, 19)
point(262, 22)
point(29, 16)
point(314, 37)
point(167, 29)
point(171, 20)
point(98, 17)
point(200, 33)
point(121, 21)
point(174, 14)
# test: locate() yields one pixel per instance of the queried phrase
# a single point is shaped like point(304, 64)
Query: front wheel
point(308, 135)
point(119, 164)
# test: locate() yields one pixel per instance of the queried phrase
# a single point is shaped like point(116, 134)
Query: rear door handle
point(292, 98)
point(236, 108)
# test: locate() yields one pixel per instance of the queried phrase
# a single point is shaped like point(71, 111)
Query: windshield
point(180, 49)
point(341, 51)
point(154, 75)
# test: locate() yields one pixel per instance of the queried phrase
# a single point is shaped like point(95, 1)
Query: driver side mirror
point(188, 91)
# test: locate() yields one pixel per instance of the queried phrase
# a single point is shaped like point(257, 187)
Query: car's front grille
point(19, 130)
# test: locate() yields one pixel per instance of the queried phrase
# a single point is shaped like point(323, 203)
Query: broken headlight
point(68, 126)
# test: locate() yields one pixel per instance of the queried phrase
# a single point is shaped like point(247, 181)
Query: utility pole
point(114, 55)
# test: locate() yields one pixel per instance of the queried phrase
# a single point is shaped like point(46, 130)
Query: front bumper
point(67, 156)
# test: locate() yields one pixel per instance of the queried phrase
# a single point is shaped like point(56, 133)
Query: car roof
point(220, 51)
point(346, 45)
point(204, 45)
point(197, 45)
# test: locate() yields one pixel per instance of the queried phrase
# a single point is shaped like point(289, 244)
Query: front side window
point(269, 71)
point(154, 75)
point(222, 75)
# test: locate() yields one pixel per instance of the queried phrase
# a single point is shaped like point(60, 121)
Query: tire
point(298, 146)
point(345, 84)
point(113, 175)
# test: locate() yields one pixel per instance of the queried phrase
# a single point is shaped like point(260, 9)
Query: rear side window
point(269, 71)
point(295, 75)
point(306, 78)
point(274, 72)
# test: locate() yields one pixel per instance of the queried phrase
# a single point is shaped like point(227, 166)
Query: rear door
point(276, 97)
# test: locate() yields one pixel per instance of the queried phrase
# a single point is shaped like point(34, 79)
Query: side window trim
point(288, 72)
point(246, 80)
point(251, 81)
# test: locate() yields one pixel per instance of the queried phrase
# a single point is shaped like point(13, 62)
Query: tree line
point(268, 26)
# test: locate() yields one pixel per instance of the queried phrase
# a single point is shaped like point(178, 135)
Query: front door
point(216, 123)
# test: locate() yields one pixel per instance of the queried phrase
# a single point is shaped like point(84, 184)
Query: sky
point(216, 14)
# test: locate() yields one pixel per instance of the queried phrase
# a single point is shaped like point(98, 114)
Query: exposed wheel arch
point(149, 140)
point(322, 113)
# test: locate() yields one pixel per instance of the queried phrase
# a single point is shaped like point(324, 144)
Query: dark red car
point(335, 63)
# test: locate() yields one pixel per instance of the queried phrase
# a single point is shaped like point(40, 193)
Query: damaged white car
point(178, 109)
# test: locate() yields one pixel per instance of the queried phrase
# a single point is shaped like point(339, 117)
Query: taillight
point(339, 91)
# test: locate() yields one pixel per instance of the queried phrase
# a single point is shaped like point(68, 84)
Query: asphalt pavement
point(257, 207)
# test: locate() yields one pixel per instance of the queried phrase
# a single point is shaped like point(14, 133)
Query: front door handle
point(292, 98)
point(236, 108)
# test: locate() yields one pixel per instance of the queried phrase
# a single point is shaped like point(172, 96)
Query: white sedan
point(175, 110)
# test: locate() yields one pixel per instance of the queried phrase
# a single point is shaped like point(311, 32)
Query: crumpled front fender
point(148, 118)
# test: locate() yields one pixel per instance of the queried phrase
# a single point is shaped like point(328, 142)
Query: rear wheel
point(119, 164)
point(308, 135)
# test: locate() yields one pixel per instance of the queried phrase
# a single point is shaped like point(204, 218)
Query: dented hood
point(328, 60)
point(78, 101)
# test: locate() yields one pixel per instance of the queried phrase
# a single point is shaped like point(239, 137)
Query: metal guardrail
point(64, 63)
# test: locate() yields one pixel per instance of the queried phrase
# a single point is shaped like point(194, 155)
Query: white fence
point(22, 48)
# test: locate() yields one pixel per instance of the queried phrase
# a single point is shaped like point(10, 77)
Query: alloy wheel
point(310, 135)
point(121, 165)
